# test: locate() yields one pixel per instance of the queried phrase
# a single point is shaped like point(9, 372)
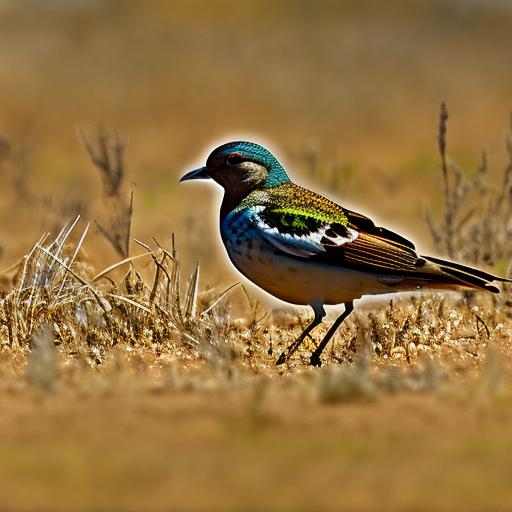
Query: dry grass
point(141, 302)
point(477, 223)
point(129, 382)
point(152, 376)
point(56, 287)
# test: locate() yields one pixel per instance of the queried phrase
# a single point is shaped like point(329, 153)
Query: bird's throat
point(231, 200)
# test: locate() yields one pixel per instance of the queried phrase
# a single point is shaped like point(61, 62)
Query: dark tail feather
point(469, 276)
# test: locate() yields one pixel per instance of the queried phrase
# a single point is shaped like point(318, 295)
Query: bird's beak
point(196, 174)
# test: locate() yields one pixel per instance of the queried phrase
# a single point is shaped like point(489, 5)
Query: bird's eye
point(234, 159)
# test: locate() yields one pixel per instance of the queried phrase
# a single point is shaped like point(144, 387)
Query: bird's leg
point(319, 314)
point(315, 357)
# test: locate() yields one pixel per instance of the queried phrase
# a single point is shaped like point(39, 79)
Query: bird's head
point(241, 167)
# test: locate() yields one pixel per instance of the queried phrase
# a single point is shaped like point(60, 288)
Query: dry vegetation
point(141, 301)
point(129, 382)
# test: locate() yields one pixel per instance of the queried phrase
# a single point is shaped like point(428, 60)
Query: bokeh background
point(346, 93)
point(140, 407)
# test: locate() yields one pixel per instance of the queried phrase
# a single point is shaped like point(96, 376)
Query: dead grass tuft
point(477, 223)
point(107, 156)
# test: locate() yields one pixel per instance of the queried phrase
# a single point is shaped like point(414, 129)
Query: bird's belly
point(297, 280)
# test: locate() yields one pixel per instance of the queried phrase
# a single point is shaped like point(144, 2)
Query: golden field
point(132, 388)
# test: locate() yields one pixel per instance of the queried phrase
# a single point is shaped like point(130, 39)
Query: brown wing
point(350, 239)
point(374, 249)
point(361, 223)
point(373, 253)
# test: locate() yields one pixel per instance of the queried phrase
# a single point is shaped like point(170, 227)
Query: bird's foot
point(282, 359)
point(315, 360)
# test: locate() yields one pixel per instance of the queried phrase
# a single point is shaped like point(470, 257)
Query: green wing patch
point(300, 224)
point(290, 222)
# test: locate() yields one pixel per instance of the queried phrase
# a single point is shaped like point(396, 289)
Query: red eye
point(234, 159)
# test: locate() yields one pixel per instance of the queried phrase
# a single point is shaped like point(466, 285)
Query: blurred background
point(346, 93)
point(155, 408)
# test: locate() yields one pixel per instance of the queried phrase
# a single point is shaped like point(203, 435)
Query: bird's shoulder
point(293, 199)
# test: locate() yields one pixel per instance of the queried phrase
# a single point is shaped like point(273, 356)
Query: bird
point(306, 249)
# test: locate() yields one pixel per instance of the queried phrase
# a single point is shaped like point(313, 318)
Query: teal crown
point(254, 153)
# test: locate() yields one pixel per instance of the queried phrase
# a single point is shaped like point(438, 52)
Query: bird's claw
point(281, 359)
point(315, 360)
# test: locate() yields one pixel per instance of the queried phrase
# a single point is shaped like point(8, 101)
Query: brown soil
point(209, 450)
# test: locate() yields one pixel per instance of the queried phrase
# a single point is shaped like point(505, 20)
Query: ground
point(159, 449)
point(146, 432)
